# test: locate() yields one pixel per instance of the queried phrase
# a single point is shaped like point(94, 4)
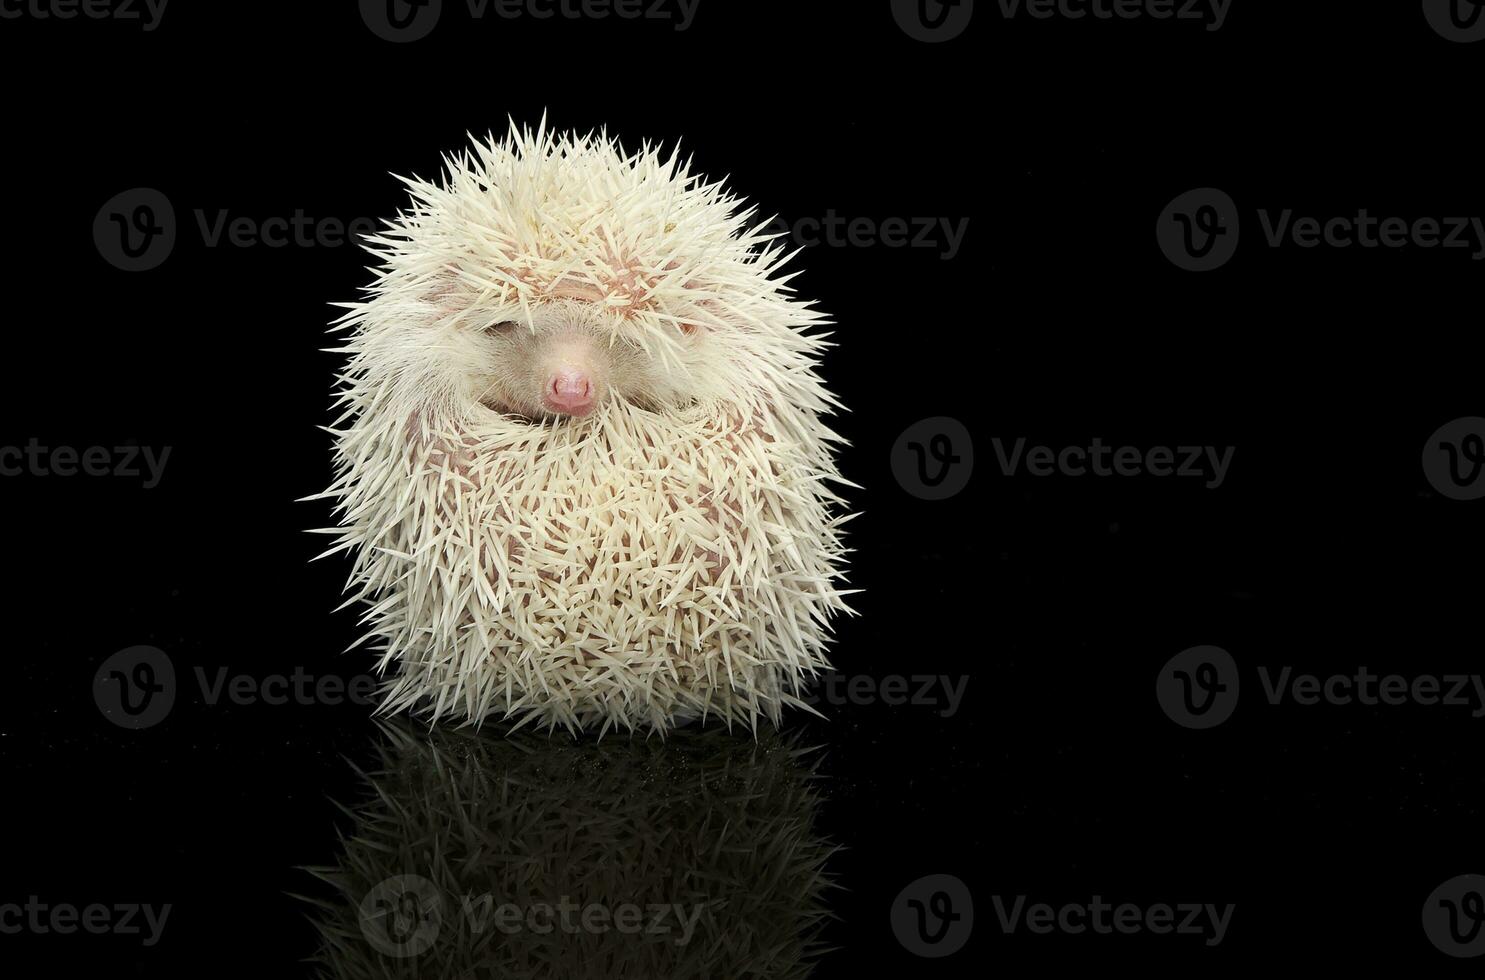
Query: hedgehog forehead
point(562, 194)
point(644, 331)
point(544, 216)
point(536, 218)
point(627, 269)
point(667, 291)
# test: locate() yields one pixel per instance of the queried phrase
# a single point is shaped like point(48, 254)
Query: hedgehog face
point(569, 358)
point(549, 278)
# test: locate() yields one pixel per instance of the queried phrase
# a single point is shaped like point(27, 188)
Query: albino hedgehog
point(581, 463)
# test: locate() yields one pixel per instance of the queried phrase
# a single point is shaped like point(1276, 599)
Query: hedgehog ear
point(688, 327)
point(442, 291)
point(705, 316)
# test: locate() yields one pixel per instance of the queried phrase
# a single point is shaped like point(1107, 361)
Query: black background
point(1059, 599)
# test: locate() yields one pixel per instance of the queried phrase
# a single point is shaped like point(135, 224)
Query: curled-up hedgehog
point(580, 457)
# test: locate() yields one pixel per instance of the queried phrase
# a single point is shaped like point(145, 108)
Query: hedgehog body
point(580, 459)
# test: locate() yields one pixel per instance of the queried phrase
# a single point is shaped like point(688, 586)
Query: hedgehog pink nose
point(570, 392)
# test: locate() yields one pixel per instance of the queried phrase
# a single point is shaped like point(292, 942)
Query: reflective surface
point(521, 856)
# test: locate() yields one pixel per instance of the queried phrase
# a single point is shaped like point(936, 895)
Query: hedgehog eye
point(503, 327)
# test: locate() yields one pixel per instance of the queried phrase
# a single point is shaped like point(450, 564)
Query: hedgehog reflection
point(509, 856)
